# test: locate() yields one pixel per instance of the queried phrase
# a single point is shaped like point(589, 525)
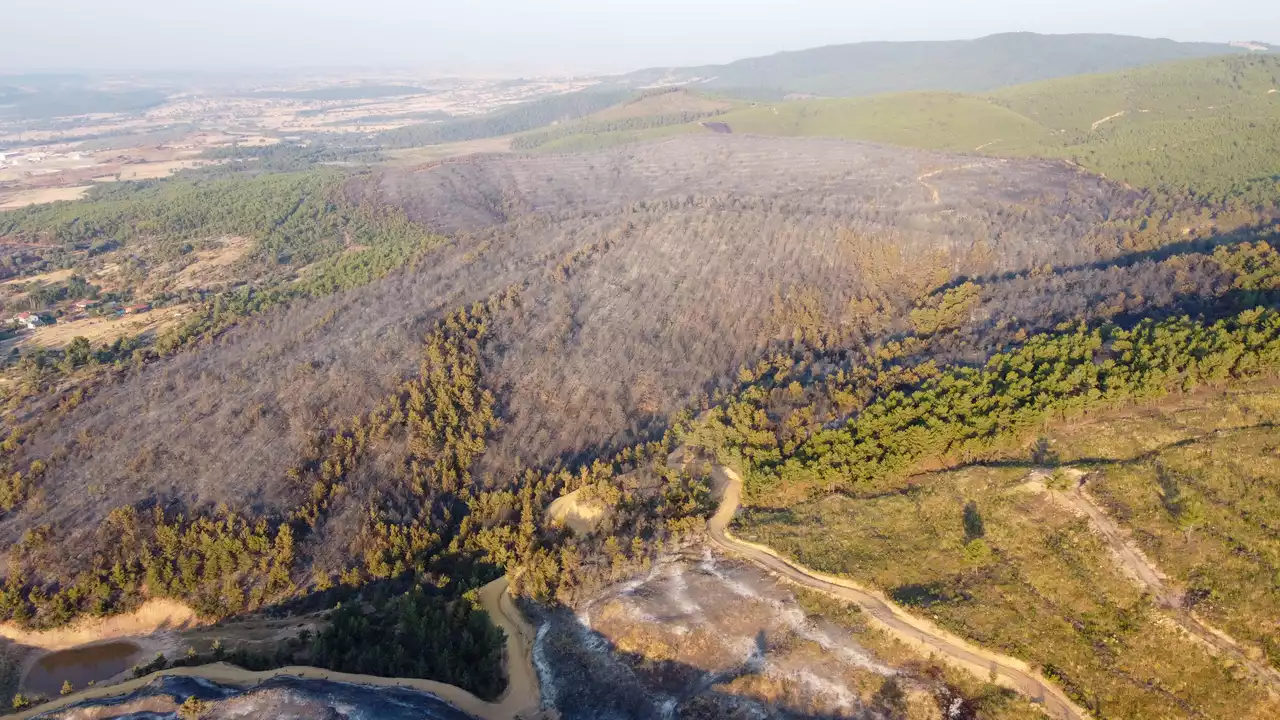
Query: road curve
point(521, 699)
point(1010, 672)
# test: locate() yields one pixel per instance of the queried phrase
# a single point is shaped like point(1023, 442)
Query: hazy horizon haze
point(544, 37)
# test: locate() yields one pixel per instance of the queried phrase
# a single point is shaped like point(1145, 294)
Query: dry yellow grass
point(210, 264)
point(431, 153)
point(98, 329)
point(37, 196)
point(48, 278)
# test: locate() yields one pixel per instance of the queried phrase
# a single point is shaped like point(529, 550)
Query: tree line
point(960, 411)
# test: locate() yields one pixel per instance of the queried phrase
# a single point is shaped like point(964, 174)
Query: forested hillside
point(1208, 127)
point(373, 409)
point(986, 63)
point(642, 263)
point(518, 118)
point(649, 111)
point(601, 278)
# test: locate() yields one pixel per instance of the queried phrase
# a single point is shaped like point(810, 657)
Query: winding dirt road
point(1010, 672)
point(1138, 567)
point(935, 197)
point(521, 699)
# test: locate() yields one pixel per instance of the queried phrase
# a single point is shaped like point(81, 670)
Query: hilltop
point(871, 68)
point(1211, 126)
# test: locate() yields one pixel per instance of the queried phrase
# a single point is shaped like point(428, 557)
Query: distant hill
point(1211, 125)
point(652, 113)
point(980, 65)
point(504, 121)
point(19, 103)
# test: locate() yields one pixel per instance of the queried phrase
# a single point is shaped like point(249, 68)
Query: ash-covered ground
point(705, 636)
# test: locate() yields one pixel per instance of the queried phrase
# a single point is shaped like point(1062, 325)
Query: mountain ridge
point(974, 65)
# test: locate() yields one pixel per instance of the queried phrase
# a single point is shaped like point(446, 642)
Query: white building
point(30, 320)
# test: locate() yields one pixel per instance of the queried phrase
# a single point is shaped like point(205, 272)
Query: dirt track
point(521, 699)
point(922, 635)
point(934, 196)
point(1135, 564)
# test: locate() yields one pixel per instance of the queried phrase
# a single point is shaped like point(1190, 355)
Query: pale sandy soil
point(153, 616)
point(37, 196)
point(568, 510)
point(153, 628)
point(1096, 123)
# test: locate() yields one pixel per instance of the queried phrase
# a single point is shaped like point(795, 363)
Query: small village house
point(29, 320)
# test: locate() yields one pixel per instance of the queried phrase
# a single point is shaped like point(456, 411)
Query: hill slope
point(653, 113)
point(627, 260)
point(986, 63)
point(1212, 125)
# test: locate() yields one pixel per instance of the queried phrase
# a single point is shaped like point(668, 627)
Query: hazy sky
point(537, 36)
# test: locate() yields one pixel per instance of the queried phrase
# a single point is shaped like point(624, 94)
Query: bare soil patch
point(521, 698)
point(211, 265)
point(38, 196)
point(149, 170)
point(154, 616)
point(576, 512)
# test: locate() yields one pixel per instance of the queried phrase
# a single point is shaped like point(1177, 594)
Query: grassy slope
point(1210, 124)
point(1221, 457)
point(930, 120)
point(1207, 123)
point(650, 115)
point(585, 142)
point(662, 103)
point(1042, 586)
